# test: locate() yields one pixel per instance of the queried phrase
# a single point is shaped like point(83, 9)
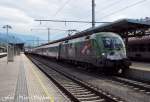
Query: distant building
point(146, 19)
point(2, 49)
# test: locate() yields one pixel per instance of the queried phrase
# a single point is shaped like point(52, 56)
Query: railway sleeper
point(135, 85)
point(89, 98)
point(78, 91)
point(69, 83)
point(81, 88)
point(100, 100)
point(85, 95)
point(72, 86)
point(66, 82)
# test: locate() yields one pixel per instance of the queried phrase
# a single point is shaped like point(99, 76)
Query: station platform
point(139, 71)
point(22, 81)
point(141, 66)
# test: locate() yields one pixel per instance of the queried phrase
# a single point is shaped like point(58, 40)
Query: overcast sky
point(20, 14)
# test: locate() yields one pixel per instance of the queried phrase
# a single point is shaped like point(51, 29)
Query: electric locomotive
point(105, 51)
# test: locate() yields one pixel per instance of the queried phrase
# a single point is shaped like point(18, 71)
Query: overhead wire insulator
point(65, 23)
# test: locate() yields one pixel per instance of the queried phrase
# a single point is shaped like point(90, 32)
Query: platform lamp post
point(9, 56)
point(7, 27)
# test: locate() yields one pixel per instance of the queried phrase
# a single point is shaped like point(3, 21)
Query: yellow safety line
point(140, 68)
point(43, 86)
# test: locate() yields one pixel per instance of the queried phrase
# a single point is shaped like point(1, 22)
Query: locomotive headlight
point(104, 54)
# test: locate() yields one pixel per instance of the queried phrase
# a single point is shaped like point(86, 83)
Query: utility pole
point(38, 43)
point(48, 34)
point(93, 13)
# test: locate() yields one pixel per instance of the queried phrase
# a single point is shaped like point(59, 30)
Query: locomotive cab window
point(87, 37)
point(112, 42)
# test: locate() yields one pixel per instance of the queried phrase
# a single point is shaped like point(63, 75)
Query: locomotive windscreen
point(112, 42)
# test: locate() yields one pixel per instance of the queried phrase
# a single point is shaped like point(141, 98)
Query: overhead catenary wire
point(110, 5)
point(124, 8)
point(110, 14)
point(70, 31)
point(105, 7)
point(65, 21)
point(50, 29)
point(71, 21)
point(61, 7)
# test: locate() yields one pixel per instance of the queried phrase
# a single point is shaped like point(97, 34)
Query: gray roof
point(119, 26)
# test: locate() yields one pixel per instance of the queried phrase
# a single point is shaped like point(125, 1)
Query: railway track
point(135, 85)
point(77, 90)
point(126, 82)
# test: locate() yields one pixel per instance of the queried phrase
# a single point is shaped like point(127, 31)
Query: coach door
point(59, 51)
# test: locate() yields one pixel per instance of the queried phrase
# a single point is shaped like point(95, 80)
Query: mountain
point(28, 40)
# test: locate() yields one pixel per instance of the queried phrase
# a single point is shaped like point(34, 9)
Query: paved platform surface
point(141, 66)
point(22, 81)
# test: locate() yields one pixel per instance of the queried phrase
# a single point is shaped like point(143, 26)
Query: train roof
point(139, 40)
point(119, 26)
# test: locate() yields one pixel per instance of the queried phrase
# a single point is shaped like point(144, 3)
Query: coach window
point(137, 48)
point(70, 45)
point(66, 41)
point(129, 49)
point(133, 48)
point(142, 48)
point(49, 49)
point(148, 46)
point(54, 49)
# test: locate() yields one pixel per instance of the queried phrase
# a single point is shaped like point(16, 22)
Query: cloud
point(21, 13)
point(37, 2)
point(13, 15)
